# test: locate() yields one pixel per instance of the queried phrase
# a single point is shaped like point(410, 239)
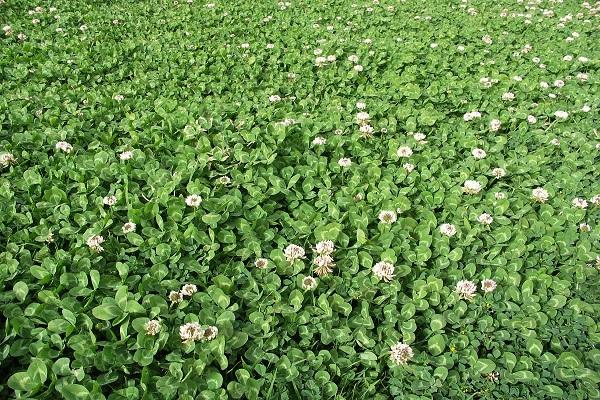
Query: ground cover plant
point(299, 200)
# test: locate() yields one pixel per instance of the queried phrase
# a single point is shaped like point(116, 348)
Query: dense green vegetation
point(299, 200)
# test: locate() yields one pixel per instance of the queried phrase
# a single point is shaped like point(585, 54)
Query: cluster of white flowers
point(193, 200)
point(401, 353)
point(485, 219)
point(294, 252)
point(469, 116)
point(109, 201)
point(495, 125)
point(319, 141)
point(468, 289)
point(152, 327)
point(64, 146)
point(479, 154)
point(126, 155)
point(499, 172)
point(448, 230)
point(384, 270)
point(540, 195)
point(7, 159)
point(94, 242)
point(387, 217)
point(471, 187)
point(344, 162)
point(128, 227)
point(186, 290)
point(578, 202)
point(404, 152)
point(323, 261)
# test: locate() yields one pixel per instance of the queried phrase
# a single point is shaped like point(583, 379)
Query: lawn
point(313, 199)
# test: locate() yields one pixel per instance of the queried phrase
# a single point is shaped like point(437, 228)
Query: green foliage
point(155, 101)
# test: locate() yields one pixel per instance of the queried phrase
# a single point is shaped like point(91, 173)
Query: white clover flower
point(21, 36)
point(210, 333)
point(461, 48)
point(353, 58)
point(261, 263)
point(128, 227)
point(582, 76)
point(517, 78)
point(189, 289)
point(559, 83)
point(485, 219)
point(270, 46)
point(495, 125)
point(309, 283)
point(274, 98)
point(293, 252)
point(478, 153)
point(175, 297)
point(193, 200)
point(583, 59)
point(118, 97)
point(508, 96)
point(358, 68)
point(7, 159)
point(224, 180)
point(499, 172)
point(578, 202)
point(401, 353)
point(487, 39)
point(544, 85)
point(561, 114)
point(318, 52)
point(595, 200)
point(555, 142)
point(319, 140)
point(7, 29)
point(531, 119)
point(320, 61)
point(540, 195)
point(384, 271)
point(448, 230)
point(324, 264)
point(190, 332)
point(152, 327)
point(94, 242)
point(471, 187)
point(344, 162)
point(126, 155)
point(331, 58)
point(404, 151)
point(35, 21)
point(366, 130)
point(408, 167)
point(488, 285)
point(420, 137)
point(362, 117)
point(471, 116)
point(109, 200)
point(466, 289)
point(387, 217)
point(536, 60)
point(586, 108)
point(325, 247)
point(361, 105)
point(584, 227)
point(245, 45)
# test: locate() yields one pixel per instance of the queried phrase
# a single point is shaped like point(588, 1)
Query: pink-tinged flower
point(344, 162)
point(466, 289)
point(387, 217)
point(448, 230)
point(293, 252)
point(485, 219)
point(488, 285)
point(401, 353)
point(191, 332)
point(479, 153)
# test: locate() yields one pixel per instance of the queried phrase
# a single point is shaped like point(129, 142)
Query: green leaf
point(534, 347)
point(20, 289)
point(106, 312)
point(485, 366)
point(437, 322)
point(523, 376)
point(74, 392)
point(436, 344)
point(22, 381)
